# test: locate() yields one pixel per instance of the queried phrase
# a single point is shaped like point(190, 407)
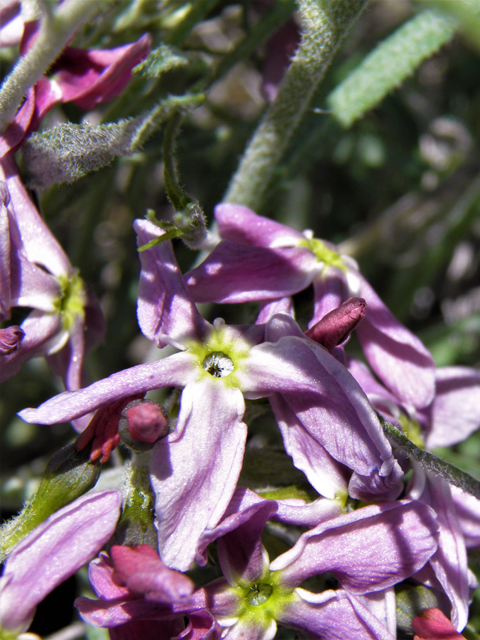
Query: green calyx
point(263, 600)
point(71, 301)
point(323, 253)
point(6, 634)
point(221, 356)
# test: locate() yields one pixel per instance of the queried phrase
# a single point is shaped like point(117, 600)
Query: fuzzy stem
point(55, 32)
point(432, 463)
point(326, 23)
point(175, 193)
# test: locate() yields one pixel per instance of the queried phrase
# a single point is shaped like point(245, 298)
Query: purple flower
point(53, 552)
point(259, 259)
point(452, 416)
point(367, 551)
point(194, 470)
point(36, 273)
point(136, 592)
point(85, 77)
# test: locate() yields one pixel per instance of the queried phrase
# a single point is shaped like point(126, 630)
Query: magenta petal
point(468, 515)
point(269, 309)
point(173, 371)
point(165, 307)
point(32, 286)
point(68, 362)
point(115, 612)
point(241, 554)
point(39, 244)
point(332, 617)
point(432, 624)
point(399, 358)
point(100, 574)
point(241, 225)
point(326, 400)
point(238, 273)
point(150, 630)
point(89, 77)
point(194, 477)
point(202, 626)
point(244, 506)
point(450, 561)
point(324, 473)
point(54, 551)
point(5, 264)
point(368, 550)
point(455, 413)
point(142, 571)
point(17, 130)
point(330, 290)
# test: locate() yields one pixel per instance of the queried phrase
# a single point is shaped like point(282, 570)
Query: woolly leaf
point(161, 60)
point(70, 151)
point(387, 66)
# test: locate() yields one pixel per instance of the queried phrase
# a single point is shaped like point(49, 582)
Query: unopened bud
point(142, 424)
point(335, 327)
point(10, 339)
point(432, 624)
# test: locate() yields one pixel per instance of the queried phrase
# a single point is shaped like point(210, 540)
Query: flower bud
point(10, 339)
point(143, 423)
point(432, 624)
point(335, 326)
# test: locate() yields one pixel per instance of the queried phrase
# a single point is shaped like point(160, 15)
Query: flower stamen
point(218, 364)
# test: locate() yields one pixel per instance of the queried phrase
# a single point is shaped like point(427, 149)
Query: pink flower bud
point(10, 339)
point(335, 327)
point(147, 422)
point(432, 624)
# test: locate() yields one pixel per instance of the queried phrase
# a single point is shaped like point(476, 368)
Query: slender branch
point(432, 463)
point(55, 31)
point(326, 23)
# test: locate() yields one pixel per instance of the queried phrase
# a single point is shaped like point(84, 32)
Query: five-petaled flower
point(194, 470)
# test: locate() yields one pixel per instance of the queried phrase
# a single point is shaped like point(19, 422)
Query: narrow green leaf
point(387, 66)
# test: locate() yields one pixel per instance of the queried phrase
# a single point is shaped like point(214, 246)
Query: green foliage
point(161, 60)
point(391, 62)
point(68, 475)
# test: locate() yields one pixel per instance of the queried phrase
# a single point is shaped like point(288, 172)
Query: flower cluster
point(367, 528)
point(262, 489)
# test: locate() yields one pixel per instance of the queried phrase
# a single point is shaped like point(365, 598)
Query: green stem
point(175, 193)
point(326, 23)
point(136, 524)
point(55, 32)
point(432, 463)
